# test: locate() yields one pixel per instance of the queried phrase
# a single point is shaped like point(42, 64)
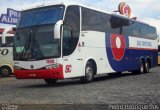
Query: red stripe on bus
point(135, 48)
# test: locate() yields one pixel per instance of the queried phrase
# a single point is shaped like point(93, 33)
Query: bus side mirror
point(57, 29)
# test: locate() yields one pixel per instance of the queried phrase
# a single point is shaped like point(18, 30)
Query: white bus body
point(82, 42)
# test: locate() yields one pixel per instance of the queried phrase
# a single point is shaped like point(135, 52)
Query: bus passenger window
point(67, 39)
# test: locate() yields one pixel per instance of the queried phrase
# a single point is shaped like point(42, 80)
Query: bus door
point(72, 61)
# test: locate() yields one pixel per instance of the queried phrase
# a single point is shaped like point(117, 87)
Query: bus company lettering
point(4, 52)
point(50, 61)
point(144, 43)
point(68, 68)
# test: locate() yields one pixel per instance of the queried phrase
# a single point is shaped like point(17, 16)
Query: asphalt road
point(123, 89)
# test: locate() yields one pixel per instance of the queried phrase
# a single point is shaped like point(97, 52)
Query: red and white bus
point(75, 41)
point(6, 51)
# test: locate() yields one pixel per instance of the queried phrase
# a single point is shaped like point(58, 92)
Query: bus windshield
point(41, 16)
point(34, 38)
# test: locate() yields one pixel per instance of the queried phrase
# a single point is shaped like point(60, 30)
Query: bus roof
point(66, 4)
point(85, 6)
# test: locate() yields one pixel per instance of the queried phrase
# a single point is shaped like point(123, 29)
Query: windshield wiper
point(36, 50)
point(27, 44)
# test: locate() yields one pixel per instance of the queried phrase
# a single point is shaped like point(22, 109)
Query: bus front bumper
point(56, 73)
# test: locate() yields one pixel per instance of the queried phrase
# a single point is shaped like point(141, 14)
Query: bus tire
point(141, 67)
point(146, 69)
point(89, 73)
point(5, 71)
point(50, 81)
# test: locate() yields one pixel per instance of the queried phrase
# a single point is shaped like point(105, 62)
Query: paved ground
point(124, 89)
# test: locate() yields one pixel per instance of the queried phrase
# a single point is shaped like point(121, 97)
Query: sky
point(147, 11)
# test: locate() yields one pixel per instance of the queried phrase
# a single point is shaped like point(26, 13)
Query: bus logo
point(68, 68)
point(124, 9)
point(118, 46)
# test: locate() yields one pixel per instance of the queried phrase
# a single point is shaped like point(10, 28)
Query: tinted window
point(119, 25)
point(71, 30)
point(143, 31)
point(148, 32)
point(159, 48)
point(95, 21)
point(9, 41)
point(41, 16)
point(127, 30)
point(136, 29)
point(98, 21)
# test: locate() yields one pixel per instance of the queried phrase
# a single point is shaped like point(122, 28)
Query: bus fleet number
point(4, 52)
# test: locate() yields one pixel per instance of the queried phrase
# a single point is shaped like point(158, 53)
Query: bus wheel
point(50, 81)
point(89, 73)
point(5, 71)
point(141, 68)
point(146, 70)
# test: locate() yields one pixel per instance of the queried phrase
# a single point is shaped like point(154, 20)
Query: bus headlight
point(52, 66)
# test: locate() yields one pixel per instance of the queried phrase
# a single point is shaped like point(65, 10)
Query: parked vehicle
point(69, 41)
point(6, 52)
